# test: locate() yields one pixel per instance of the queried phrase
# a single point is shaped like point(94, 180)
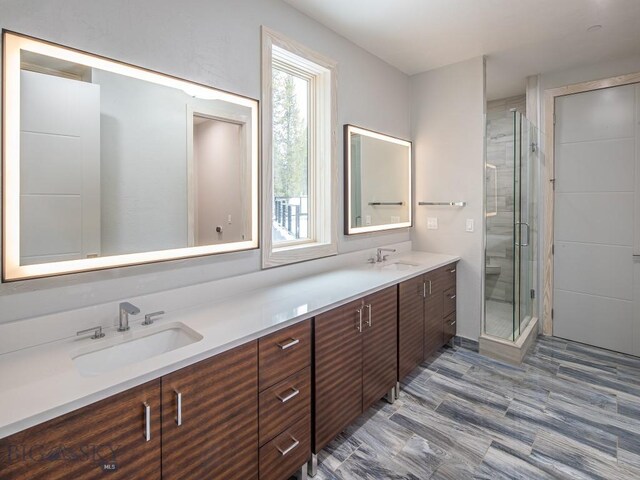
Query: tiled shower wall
point(499, 252)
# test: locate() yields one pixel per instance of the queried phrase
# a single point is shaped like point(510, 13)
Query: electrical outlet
point(395, 219)
point(367, 219)
point(469, 227)
point(432, 223)
point(229, 219)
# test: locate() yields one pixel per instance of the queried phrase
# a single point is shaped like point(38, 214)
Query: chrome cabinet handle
point(452, 297)
point(290, 447)
point(453, 270)
point(147, 421)
point(369, 323)
point(359, 326)
point(429, 287)
point(178, 407)
point(453, 323)
point(286, 398)
point(289, 344)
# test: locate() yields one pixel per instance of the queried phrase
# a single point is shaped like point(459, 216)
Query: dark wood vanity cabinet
point(355, 361)
point(426, 316)
point(210, 417)
point(117, 438)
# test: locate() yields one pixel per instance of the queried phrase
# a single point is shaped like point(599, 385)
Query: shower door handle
point(528, 237)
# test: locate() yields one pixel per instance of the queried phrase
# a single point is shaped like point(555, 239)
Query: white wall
point(214, 42)
point(448, 109)
point(143, 165)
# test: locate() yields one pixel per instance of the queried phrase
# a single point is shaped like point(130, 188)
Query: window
point(299, 174)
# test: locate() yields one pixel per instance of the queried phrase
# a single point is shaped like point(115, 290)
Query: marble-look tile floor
point(570, 411)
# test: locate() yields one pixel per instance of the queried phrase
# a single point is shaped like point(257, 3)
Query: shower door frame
point(550, 96)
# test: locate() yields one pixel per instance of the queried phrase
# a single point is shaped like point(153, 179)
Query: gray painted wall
point(214, 42)
point(448, 109)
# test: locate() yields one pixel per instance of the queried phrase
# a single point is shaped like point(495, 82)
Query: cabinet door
point(107, 439)
point(338, 370)
point(433, 308)
point(380, 345)
point(410, 325)
point(218, 432)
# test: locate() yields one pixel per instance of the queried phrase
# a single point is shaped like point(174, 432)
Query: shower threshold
point(507, 350)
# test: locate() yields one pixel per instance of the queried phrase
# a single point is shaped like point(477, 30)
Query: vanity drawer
point(447, 276)
point(285, 454)
point(284, 403)
point(283, 353)
point(449, 301)
point(449, 327)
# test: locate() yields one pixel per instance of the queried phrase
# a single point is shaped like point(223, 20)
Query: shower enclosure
point(511, 170)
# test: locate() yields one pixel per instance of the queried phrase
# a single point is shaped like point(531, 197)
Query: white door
point(59, 169)
point(596, 150)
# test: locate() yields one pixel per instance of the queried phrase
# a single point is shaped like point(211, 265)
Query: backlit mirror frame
point(350, 130)
point(13, 44)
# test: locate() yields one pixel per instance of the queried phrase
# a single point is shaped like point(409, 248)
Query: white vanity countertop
point(42, 382)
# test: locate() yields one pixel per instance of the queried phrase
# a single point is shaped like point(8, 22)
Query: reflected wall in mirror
point(107, 164)
point(377, 181)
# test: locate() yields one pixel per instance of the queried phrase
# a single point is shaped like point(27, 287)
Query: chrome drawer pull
point(453, 270)
point(178, 407)
point(452, 297)
point(453, 323)
point(147, 421)
point(286, 398)
point(284, 346)
point(290, 447)
point(369, 321)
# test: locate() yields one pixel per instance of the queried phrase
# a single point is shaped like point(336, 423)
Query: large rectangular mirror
point(107, 164)
point(377, 181)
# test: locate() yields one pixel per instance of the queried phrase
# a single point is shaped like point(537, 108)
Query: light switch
point(367, 219)
point(432, 223)
point(229, 219)
point(469, 225)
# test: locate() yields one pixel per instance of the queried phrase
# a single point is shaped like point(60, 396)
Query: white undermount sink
point(141, 345)
point(399, 266)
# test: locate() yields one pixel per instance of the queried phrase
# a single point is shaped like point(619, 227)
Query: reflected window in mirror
point(378, 181)
point(108, 164)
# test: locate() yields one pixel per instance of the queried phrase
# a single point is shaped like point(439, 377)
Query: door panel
point(594, 218)
point(410, 325)
point(218, 437)
point(103, 440)
point(338, 371)
point(380, 347)
point(60, 169)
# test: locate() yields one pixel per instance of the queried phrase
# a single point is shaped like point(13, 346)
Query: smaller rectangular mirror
point(377, 181)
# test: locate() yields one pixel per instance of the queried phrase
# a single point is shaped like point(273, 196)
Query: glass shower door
point(525, 155)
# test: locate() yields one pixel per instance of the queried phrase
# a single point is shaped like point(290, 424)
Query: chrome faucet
point(126, 309)
point(382, 258)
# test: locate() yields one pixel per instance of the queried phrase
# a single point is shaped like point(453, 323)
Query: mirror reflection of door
point(218, 211)
point(356, 180)
point(60, 168)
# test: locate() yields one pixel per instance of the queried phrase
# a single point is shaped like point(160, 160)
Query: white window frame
point(322, 169)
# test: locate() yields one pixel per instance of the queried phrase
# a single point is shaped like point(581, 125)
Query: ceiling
point(519, 37)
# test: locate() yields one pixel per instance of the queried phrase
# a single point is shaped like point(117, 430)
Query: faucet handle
point(97, 332)
point(148, 318)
